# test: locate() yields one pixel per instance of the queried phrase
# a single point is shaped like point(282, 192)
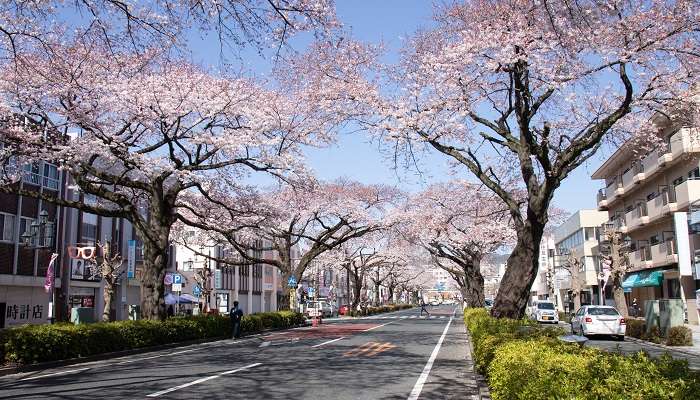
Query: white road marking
point(156, 356)
point(330, 341)
point(426, 370)
point(375, 327)
point(412, 316)
point(201, 380)
point(71, 371)
point(404, 316)
point(264, 344)
point(442, 317)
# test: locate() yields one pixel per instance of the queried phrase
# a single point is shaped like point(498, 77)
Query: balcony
point(664, 253)
point(641, 258)
point(618, 224)
point(684, 141)
point(650, 164)
point(660, 206)
point(602, 199)
point(628, 180)
point(639, 173)
point(687, 192)
point(637, 217)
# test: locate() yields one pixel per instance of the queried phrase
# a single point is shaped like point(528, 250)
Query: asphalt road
point(393, 356)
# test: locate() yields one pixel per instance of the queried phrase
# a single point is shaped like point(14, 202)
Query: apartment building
point(577, 238)
point(650, 198)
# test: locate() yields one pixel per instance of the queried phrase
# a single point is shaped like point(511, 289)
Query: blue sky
point(354, 156)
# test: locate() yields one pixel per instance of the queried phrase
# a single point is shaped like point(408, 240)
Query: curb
point(662, 346)
point(10, 370)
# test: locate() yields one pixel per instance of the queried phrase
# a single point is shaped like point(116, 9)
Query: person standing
point(422, 307)
point(236, 315)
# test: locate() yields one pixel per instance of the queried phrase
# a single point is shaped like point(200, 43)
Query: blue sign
point(218, 279)
point(440, 286)
point(292, 282)
point(177, 279)
point(197, 290)
point(311, 292)
point(131, 260)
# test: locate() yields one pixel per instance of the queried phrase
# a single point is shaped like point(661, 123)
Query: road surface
point(392, 356)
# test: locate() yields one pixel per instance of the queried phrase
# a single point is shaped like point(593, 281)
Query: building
point(256, 287)
point(650, 198)
point(577, 238)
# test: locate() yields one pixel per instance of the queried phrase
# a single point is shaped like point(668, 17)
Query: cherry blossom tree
point(289, 227)
point(137, 132)
point(458, 223)
point(535, 88)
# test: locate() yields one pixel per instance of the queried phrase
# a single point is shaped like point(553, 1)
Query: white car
point(545, 311)
point(598, 320)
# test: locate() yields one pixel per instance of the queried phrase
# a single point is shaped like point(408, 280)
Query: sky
point(354, 156)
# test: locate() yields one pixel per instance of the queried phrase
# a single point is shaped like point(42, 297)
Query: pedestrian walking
point(635, 307)
point(422, 307)
point(171, 311)
point(236, 315)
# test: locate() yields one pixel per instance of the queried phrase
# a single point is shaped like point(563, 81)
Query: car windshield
point(545, 306)
point(488, 302)
point(602, 311)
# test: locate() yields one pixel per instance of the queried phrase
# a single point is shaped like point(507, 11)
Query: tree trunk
point(521, 270)
point(474, 280)
point(619, 295)
point(286, 304)
point(108, 294)
point(377, 297)
point(155, 260)
point(356, 293)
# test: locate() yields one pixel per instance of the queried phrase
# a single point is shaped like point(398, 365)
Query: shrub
point(531, 369)
point(38, 343)
point(654, 335)
point(635, 328)
point(679, 336)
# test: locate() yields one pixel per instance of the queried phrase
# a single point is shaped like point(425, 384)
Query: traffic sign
point(177, 287)
point(168, 279)
point(197, 290)
point(177, 279)
point(292, 282)
point(311, 292)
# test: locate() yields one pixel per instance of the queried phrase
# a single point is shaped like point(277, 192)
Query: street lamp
point(41, 234)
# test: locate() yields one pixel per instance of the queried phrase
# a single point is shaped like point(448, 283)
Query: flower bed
point(379, 310)
point(525, 361)
point(32, 344)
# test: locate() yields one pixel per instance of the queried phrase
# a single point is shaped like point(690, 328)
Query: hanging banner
point(680, 220)
point(48, 282)
point(131, 262)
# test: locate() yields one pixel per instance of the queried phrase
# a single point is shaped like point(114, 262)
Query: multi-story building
point(23, 266)
point(256, 287)
point(577, 238)
point(649, 197)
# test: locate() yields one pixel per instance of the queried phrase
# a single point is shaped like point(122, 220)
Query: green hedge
point(31, 344)
point(378, 310)
point(523, 361)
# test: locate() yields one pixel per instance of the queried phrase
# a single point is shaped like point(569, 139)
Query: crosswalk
point(405, 317)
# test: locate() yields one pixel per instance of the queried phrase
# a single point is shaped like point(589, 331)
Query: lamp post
point(41, 235)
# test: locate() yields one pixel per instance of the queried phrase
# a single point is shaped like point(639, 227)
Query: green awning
point(643, 279)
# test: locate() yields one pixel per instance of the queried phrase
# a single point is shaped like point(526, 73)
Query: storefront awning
point(643, 279)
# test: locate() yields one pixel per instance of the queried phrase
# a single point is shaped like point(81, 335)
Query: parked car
point(326, 309)
point(598, 320)
point(545, 311)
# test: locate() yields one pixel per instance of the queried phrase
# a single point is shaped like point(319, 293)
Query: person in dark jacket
point(236, 315)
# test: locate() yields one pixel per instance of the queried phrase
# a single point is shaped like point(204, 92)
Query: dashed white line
point(201, 380)
point(264, 344)
point(412, 316)
point(327, 342)
point(375, 327)
point(71, 371)
point(426, 370)
point(404, 316)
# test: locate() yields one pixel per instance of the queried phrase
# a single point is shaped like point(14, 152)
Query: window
point(694, 174)
point(678, 181)
point(545, 306)
point(24, 224)
point(602, 311)
point(7, 227)
point(654, 239)
point(50, 176)
point(31, 173)
point(88, 233)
